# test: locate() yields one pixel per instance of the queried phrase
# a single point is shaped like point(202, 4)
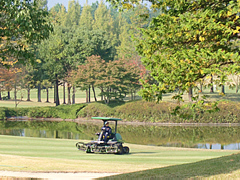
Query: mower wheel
point(120, 149)
point(88, 150)
point(126, 150)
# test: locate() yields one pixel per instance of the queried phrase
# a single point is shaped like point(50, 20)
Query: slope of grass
point(226, 167)
point(40, 154)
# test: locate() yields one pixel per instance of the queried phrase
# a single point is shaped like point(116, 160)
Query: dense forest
point(91, 46)
point(158, 47)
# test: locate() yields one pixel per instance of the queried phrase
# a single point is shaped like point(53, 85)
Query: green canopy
point(107, 118)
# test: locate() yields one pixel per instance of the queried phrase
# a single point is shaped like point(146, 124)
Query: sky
point(52, 3)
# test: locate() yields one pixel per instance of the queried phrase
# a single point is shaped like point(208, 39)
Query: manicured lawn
point(42, 154)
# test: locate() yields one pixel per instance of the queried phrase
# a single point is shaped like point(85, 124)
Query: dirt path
point(54, 176)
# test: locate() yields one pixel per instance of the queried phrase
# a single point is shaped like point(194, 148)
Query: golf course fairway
point(61, 155)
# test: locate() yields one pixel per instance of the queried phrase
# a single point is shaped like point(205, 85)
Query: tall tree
point(42, 4)
point(52, 55)
point(86, 19)
point(189, 41)
point(22, 23)
point(73, 13)
point(104, 21)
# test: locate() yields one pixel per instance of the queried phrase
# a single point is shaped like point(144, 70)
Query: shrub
point(97, 109)
point(146, 111)
point(2, 113)
point(62, 111)
point(69, 111)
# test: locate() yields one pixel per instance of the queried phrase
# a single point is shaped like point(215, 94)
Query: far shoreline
point(137, 123)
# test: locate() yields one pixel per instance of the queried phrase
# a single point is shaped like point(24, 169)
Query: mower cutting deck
point(113, 145)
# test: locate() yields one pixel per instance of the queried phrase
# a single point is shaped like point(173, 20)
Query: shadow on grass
point(143, 153)
point(205, 168)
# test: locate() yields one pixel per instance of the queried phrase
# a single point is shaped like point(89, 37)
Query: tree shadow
point(204, 168)
point(142, 153)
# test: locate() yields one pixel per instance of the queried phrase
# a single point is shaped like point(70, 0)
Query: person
point(107, 131)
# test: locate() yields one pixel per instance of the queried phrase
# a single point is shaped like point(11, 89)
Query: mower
point(114, 145)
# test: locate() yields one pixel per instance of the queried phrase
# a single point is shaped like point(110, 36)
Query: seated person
point(107, 132)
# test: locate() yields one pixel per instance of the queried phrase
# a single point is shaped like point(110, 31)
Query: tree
point(47, 85)
point(88, 73)
point(103, 21)
point(114, 78)
point(189, 41)
point(22, 23)
point(73, 14)
point(42, 4)
point(51, 52)
point(86, 18)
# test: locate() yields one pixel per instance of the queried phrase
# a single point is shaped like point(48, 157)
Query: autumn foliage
point(114, 78)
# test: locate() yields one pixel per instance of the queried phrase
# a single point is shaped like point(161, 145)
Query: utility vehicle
point(113, 145)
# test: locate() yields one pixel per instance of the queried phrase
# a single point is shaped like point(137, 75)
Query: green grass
point(227, 167)
point(40, 154)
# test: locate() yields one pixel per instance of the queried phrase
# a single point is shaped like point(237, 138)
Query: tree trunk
point(237, 85)
point(56, 134)
point(9, 95)
point(89, 94)
point(69, 93)
point(15, 94)
point(101, 95)
point(201, 87)
point(0, 95)
point(190, 94)
point(47, 95)
point(211, 90)
point(86, 95)
point(73, 95)
point(223, 89)
point(39, 92)
point(15, 91)
point(28, 93)
point(56, 92)
point(94, 93)
point(64, 94)
point(131, 94)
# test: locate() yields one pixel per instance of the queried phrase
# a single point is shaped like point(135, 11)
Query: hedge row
point(228, 112)
point(62, 111)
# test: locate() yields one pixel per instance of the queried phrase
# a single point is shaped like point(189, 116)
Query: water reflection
point(202, 137)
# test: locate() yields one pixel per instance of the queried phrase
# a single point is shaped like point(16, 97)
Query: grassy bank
point(42, 154)
point(139, 110)
point(226, 167)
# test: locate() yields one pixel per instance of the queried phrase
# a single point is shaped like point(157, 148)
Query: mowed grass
point(50, 155)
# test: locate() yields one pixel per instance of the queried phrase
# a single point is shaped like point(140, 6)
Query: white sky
point(52, 3)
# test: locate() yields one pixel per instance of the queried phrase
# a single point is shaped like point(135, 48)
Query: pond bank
point(86, 120)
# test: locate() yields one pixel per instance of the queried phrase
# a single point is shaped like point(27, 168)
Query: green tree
point(47, 84)
point(42, 4)
point(52, 54)
point(189, 41)
point(73, 13)
point(89, 72)
point(104, 21)
point(22, 23)
point(86, 19)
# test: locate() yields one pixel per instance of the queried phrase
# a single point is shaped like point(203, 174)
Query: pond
point(203, 137)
